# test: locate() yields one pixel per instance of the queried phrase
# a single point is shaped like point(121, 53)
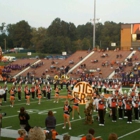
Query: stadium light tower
point(94, 24)
point(94, 21)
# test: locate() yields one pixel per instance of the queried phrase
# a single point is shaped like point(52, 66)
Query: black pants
point(136, 112)
point(101, 116)
point(104, 90)
point(120, 112)
point(48, 95)
point(19, 95)
point(61, 86)
point(44, 93)
point(54, 86)
point(5, 96)
point(114, 112)
point(129, 115)
point(33, 95)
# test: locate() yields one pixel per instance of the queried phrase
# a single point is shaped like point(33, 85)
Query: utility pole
point(5, 44)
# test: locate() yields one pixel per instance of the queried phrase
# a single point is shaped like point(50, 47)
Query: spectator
point(36, 133)
point(89, 137)
point(66, 137)
point(50, 121)
point(90, 131)
point(112, 136)
point(23, 118)
point(22, 134)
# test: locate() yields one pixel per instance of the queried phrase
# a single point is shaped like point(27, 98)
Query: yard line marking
point(64, 133)
point(129, 133)
point(81, 135)
point(21, 103)
point(7, 127)
point(98, 137)
point(30, 102)
point(31, 112)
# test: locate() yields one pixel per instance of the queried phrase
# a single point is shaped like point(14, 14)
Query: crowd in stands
point(9, 68)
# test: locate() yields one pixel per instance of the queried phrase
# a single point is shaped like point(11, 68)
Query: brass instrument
point(67, 77)
point(56, 77)
point(63, 77)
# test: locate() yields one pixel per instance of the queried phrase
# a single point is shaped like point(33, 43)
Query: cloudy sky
point(40, 13)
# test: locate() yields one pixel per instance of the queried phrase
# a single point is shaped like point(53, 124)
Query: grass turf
point(38, 114)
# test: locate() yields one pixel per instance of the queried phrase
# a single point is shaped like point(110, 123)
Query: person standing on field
point(50, 121)
point(24, 118)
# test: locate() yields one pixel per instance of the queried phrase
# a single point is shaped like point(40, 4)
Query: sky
point(41, 13)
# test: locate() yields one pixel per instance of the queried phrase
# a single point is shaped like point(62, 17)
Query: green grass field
point(38, 114)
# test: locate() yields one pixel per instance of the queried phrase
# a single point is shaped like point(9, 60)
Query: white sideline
point(26, 69)
point(80, 62)
point(129, 133)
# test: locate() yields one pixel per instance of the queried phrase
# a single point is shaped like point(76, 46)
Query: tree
point(20, 34)
point(38, 39)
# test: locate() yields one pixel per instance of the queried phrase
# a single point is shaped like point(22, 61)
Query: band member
point(12, 96)
point(69, 93)
point(132, 94)
point(2, 92)
point(109, 104)
point(56, 98)
point(67, 109)
point(67, 84)
point(99, 86)
point(5, 89)
point(128, 108)
point(27, 95)
point(95, 102)
point(25, 91)
point(54, 83)
point(76, 101)
point(32, 91)
point(120, 106)
point(124, 100)
point(44, 88)
point(39, 95)
point(61, 83)
point(36, 89)
point(101, 111)
point(49, 89)
point(136, 103)
point(19, 92)
point(113, 105)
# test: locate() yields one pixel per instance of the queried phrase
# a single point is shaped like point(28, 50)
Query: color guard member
point(12, 96)
point(76, 101)
point(56, 98)
point(67, 109)
point(39, 95)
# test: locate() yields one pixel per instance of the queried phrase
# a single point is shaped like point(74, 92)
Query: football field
point(38, 113)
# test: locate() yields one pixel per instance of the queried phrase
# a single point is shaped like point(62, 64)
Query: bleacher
point(56, 65)
point(99, 64)
point(95, 61)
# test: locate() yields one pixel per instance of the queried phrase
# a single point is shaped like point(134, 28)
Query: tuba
point(56, 77)
point(63, 77)
point(67, 77)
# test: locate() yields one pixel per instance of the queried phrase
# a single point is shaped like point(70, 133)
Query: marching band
point(108, 97)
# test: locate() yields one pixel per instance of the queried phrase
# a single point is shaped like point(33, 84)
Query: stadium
point(117, 69)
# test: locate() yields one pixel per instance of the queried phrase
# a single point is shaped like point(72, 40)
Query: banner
point(83, 89)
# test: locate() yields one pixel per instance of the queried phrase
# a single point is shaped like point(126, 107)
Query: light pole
point(94, 24)
point(5, 44)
